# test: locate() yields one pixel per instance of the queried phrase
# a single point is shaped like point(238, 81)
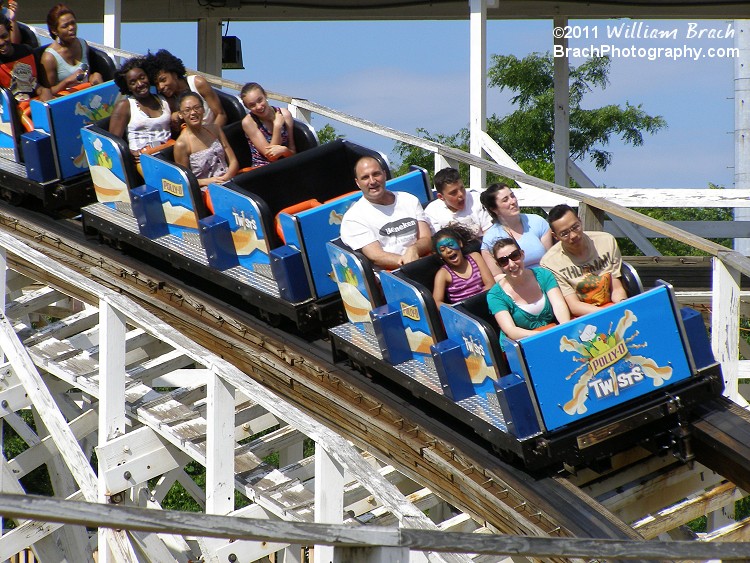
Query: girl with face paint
point(460, 276)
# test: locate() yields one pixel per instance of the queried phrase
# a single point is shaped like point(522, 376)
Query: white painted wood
point(112, 544)
point(63, 328)
point(71, 541)
point(304, 115)
point(29, 532)
point(632, 232)
point(705, 229)
point(162, 366)
point(329, 497)
point(111, 373)
point(561, 80)
point(247, 550)
point(499, 155)
point(742, 122)
point(292, 453)
point(58, 428)
point(55, 423)
point(32, 300)
point(178, 377)
point(725, 306)
point(132, 458)
point(638, 197)
point(209, 45)
point(153, 547)
point(13, 396)
point(112, 19)
point(42, 451)
point(575, 172)
point(443, 162)
point(220, 442)
point(477, 85)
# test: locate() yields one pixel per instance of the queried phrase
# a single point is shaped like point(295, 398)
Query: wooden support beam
point(134, 457)
point(220, 443)
point(714, 498)
point(32, 301)
point(725, 330)
point(329, 497)
point(42, 452)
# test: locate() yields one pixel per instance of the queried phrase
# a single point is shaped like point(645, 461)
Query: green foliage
point(414, 156)
point(36, 482)
point(328, 133)
point(527, 134)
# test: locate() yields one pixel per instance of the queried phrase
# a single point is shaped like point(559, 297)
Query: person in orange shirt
point(586, 265)
point(19, 67)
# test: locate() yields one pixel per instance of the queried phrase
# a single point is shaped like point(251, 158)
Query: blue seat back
point(62, 118)
point(354, 276)
point(111, 166)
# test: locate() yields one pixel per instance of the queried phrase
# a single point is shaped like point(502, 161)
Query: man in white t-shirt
point(456, 204)
point(390, 228)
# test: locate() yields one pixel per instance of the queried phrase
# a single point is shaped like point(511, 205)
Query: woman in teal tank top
point(65, 61)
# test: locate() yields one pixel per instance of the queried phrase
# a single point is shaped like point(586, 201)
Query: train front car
point(629, 374)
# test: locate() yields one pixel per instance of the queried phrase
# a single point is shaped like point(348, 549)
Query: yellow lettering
point(172, 188)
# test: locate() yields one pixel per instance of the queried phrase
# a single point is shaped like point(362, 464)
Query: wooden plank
point(641, 498)
point(329, 497)
point(734, 532)
point(705, 229)
point(178, 378)
point(721, 438)
point(66, 327)
point(63, 437)
point(32, 301)
point(31, 532)
point(134, 457)
point(725, 334)
point(208, 525)
point(689, 509)
point(73, 541)
point(639, 197)
point(113, 543)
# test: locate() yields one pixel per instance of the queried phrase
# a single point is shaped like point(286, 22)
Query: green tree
point(328, 133)
point(527, 134)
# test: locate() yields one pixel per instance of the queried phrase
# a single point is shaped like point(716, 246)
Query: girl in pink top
point(461, 276)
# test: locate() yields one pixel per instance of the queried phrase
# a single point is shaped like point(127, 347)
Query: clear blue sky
point(415, 74)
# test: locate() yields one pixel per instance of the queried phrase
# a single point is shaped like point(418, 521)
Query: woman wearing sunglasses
point(524, 301)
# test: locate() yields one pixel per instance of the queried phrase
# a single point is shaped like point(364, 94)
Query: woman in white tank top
point(145, 116)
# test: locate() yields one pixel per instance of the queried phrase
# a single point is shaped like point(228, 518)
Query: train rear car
point(41, 153)
point(629, 374)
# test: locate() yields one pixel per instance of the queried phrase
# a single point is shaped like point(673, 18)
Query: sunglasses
point(502, 261)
